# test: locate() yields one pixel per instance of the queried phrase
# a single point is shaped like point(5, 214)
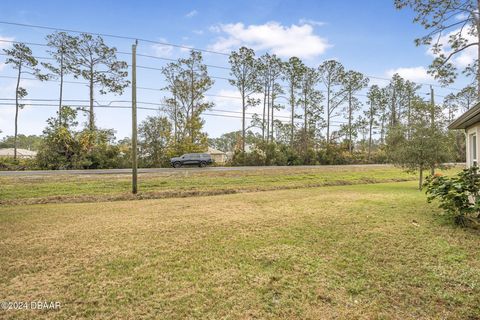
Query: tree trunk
point(370, 138)
point(61, 91)
point(393, 121)
point(91, 125)
point(273, 107)
point(268, 114)
point(292, 104)
point(420, 179)
point(263, 116)
point(328, 114)
point(175, 121)
point(409, 117)
point(350, 148)
point(192, 107)
point(243, 120)
point(382, 130)
point(17, 107)
point(305, 129)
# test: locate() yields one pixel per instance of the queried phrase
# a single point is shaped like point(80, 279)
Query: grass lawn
point(89, 188)
point(375, 251)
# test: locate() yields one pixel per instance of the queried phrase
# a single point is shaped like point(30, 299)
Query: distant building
point(21, 153)
point(217, 155)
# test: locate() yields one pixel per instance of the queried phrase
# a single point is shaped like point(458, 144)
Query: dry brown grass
point(351, 252)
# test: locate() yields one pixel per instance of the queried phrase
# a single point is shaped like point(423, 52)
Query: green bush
point(459, 196)
point(9, 164)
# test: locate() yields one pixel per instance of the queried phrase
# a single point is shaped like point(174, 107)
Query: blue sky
point(370, 36)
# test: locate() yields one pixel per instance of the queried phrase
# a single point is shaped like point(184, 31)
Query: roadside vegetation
point(324, 114)
point(183, 183)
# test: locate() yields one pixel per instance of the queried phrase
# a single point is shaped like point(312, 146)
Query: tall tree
point(264, 81)
point(331, 73)
point(401, 94)
point(450, 103)
point(372, 113)
point(383, 104)
point(453, 26)
point(352, 82)
point(190, 86)
point(170, 72)
point(270, 71)
point(61, 49)
point(293, 72)
point(97, 63)
point(310, 100)
point(21, 59)
point(245, 74)
point(275, 66)
point(466, 98)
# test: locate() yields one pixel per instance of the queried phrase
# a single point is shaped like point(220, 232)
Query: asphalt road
point(168, 170)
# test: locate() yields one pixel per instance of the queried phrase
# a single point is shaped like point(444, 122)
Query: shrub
point(459, 196)
point(9, 164)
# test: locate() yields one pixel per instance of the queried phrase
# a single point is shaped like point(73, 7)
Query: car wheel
point(203, 164)
point(177, 164)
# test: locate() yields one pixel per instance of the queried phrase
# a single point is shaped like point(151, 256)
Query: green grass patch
point(375, 251)
point(107, 187)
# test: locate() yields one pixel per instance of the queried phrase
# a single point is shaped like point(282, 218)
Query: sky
point(369, 36)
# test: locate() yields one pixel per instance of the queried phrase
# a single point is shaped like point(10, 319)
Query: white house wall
point(473, 129)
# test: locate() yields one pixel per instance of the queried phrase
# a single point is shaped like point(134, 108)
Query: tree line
point(328, 124)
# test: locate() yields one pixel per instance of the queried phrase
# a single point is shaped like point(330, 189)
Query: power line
point(160, 89)
point(173, 60)
point(23, 42)
point(107, 106)
point(114, 36)
point(119, 52)
point(27, 100)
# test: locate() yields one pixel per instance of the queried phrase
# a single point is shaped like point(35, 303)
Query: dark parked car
point(198, 159)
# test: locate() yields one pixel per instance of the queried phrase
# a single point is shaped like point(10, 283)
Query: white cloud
point(311, 22)
point(415, 74)
point(461, 16)
point(285, 41)
point(191, 14)
point(463, 58)
point(199, 32)
point(5, 44)
point(162, 50)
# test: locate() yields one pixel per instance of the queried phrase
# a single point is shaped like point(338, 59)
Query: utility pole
point(134, 117)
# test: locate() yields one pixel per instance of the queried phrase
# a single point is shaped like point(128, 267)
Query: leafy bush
point(9, 164)
point(459, 196)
